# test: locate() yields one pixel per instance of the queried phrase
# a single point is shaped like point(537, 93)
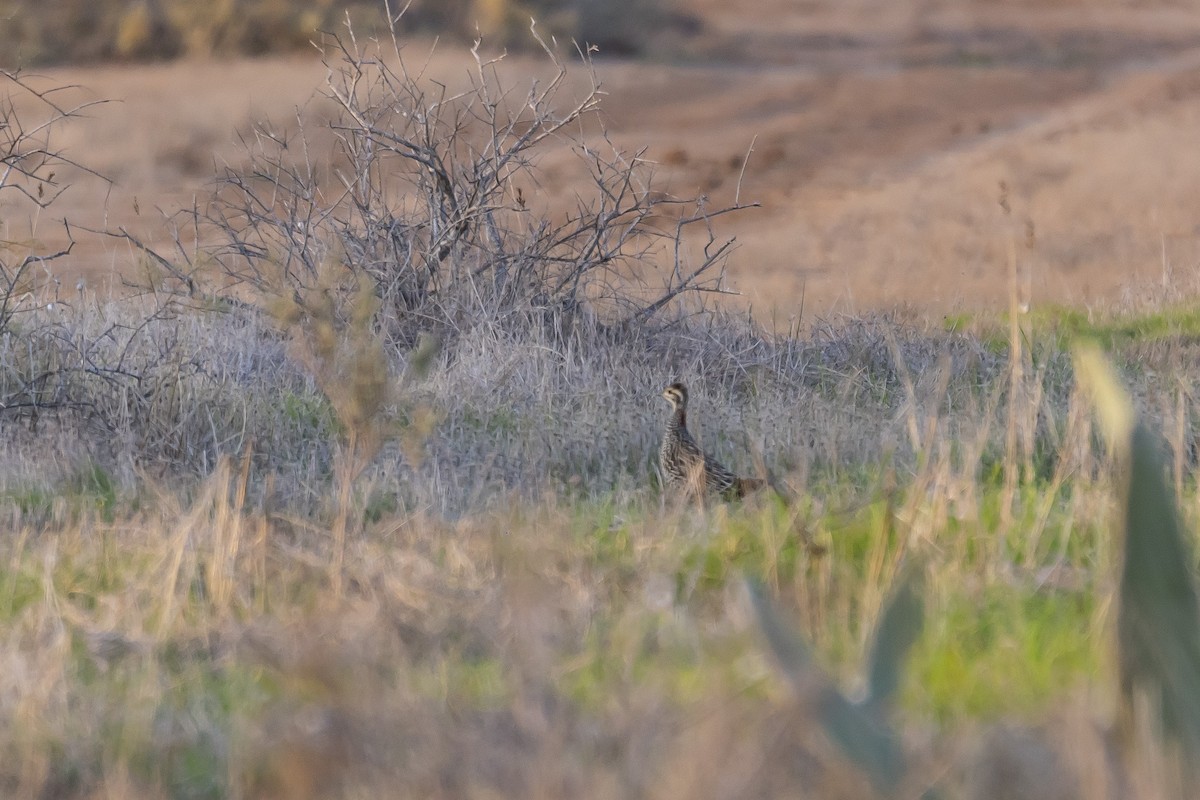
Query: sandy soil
point(878, 137)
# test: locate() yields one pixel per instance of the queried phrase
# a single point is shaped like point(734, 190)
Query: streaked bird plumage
point(685, 466)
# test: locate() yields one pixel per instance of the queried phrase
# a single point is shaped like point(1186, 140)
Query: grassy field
point(349, 496)
point(204, 638)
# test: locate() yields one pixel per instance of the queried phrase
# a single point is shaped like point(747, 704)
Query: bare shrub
point(425, 207)
point(428, 201)
point(30, 168)
point(139, 385)
point(29, 178)
point(126, 382)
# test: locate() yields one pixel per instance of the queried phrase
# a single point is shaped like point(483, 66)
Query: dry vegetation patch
point(354, 496)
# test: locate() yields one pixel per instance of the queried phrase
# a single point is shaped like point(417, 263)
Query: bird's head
point(676, 394)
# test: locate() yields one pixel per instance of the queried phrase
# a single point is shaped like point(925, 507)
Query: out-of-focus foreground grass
point(197, 647)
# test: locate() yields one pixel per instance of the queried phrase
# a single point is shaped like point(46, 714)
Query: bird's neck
point(679, 419)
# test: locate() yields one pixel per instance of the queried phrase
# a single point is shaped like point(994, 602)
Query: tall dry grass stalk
point(335, 335)
point(346, 359)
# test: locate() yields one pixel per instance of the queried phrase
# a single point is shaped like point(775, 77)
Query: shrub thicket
point(76, 31)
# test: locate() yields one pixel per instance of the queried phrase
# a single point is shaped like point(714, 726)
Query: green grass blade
point(788, 647)
point(1158, 625)
point(1158, 621)
point(898, 628)
point(863, 736)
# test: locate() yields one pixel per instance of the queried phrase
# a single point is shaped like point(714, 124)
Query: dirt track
point(879, 145)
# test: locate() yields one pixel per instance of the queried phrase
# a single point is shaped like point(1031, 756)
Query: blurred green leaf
point(789, 648)
point(1158, 622)
point(898, 628)
point(1098, 378)
point(863, 735)
point(1158, 626)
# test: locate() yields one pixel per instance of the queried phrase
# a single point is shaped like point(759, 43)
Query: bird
point(685, 466)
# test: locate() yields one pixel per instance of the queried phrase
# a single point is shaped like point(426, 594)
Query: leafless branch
point(427, 197)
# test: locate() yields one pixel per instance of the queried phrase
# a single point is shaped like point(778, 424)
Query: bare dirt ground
point(877, 135)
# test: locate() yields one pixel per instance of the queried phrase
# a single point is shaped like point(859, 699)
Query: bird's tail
point(744, 486)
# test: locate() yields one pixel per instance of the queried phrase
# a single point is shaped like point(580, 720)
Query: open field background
point(348, 489)
point(879, 141)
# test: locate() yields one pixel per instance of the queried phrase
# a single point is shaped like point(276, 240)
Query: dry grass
point(518, 412)
point(215, 646)
point(273, 551)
